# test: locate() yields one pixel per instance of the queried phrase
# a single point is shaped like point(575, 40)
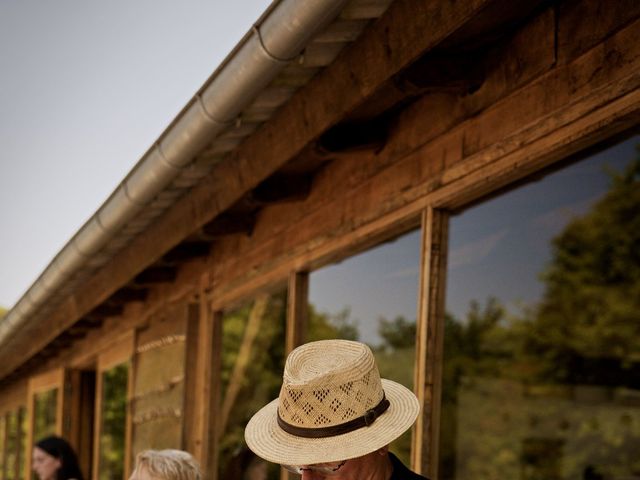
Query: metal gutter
point(276, 38)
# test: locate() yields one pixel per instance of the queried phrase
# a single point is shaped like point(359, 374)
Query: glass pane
point(45, 405)
point(3, 433)
point(113, 422)
point(372, 297)
point(252, 364)
point(13, 445)
point(542, 335)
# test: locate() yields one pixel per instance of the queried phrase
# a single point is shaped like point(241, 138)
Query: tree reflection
point(553, 392)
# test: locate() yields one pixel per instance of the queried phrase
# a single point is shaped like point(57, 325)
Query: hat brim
point(269, 441)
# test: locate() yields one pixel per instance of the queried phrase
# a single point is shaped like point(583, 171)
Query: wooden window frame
point(39, 384)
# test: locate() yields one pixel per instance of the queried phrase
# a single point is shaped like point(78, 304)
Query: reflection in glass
point(252, 364)
point(113, 422)
point(542, 336)
point(372, 297)
point(3, 434)
point(45, 405)
point(15, 438)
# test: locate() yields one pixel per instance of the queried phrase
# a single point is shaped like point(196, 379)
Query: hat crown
point(328, 383)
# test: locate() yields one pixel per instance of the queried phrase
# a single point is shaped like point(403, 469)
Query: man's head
point(332, 407)
point(165, 465)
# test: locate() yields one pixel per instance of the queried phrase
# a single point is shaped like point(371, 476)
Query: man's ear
point(384, 450)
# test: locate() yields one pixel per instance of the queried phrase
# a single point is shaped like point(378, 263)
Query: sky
point(86, 87)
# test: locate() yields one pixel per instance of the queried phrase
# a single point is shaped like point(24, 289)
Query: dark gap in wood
point(154, 275)
point(230, 224)
point(281, 188)
point(187, 251)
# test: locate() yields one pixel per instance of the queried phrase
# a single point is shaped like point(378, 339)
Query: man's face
point(373, 466)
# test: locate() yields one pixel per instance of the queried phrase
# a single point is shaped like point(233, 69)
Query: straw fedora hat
point(332, 406)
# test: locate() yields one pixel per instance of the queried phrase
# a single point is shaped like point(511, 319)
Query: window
point(113, 421)
point(372, 298)
point(13, 444)
point(45, 407)
point(541, 372)
point(111, 441)
point(253, 338)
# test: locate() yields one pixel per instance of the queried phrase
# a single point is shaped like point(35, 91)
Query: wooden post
point(202, 381)
point(3, 453)
point(297, 310)
point(21, 412)
point(429, 341)
point(296, 328)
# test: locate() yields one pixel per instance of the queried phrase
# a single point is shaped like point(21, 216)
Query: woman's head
point(54, 459)
point(166, 465)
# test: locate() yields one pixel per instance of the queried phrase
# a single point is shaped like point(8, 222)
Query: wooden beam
point(202, 356)
point(429, 341)
point(451, 164)
point(297, 310)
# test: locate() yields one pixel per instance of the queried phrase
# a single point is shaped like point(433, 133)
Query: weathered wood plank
point(429, 340)
point(582, 24)
point(297, 310)
point(429, 174)
point(13, 396)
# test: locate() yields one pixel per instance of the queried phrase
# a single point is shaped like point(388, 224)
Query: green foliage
point(114, 412)
point(549, 393)
point(261, 380)
point(587, 323)
point(397, 333)
point(324, 325)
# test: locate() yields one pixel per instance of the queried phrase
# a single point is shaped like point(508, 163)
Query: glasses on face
point(330, 468)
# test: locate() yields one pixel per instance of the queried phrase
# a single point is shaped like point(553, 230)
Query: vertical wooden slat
point(85, 421)
point(429, 341)
point(202, 381)
point(20, 452)
point(296, 328)
point(128, 428)
point(97, 425)
point(297, 310)
point(211, 466)
point(191, 440)
point(3, 453)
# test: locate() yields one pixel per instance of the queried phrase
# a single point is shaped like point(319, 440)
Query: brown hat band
point(322, 432)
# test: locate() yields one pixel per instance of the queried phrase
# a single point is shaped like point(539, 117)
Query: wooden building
point(387, 152)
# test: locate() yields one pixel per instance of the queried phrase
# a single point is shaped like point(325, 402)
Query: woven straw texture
point(329, 383)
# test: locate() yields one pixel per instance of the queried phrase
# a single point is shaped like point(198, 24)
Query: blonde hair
point(168, 465)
